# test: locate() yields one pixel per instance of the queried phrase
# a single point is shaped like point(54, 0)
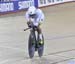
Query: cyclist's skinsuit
point(37, 19)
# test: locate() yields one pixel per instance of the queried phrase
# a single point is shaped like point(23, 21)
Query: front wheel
point(31, 46)
point(40, 47)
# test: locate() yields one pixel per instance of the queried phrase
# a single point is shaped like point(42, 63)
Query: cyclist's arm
point(40, 18)
point(27, 17)
point(29, 20)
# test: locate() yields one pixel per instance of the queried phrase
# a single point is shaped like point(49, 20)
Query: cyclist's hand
point(29, 24)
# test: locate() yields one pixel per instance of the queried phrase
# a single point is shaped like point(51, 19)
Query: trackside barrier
point(42, 3)
point(15, 5)
point(24, 4)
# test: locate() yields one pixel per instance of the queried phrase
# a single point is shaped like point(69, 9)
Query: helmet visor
point(32, 16)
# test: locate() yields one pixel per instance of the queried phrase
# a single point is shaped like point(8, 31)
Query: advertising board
point(42, 3)
point(15, 5)
point(24, 4)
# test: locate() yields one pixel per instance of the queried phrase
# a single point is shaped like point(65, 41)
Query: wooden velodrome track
point(58, 30)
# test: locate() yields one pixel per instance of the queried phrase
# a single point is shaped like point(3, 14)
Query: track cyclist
point(35, 17)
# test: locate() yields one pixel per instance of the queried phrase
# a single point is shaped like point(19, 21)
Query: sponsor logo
point(6, 7)
point(42, 1)
point(54, 1)
point(25, 4)
point(48, 2)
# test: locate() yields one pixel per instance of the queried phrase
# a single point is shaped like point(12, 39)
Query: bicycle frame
point(33, 31)
point(33, 44)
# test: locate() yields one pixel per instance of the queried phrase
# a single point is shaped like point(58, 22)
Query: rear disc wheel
point(41, 47)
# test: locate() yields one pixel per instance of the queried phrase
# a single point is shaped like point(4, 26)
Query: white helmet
point(32, 10)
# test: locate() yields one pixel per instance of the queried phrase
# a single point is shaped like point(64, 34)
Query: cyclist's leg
point(39, 30)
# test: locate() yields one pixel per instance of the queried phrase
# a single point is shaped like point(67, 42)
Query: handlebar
point(34, 28)
point(26, 29)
